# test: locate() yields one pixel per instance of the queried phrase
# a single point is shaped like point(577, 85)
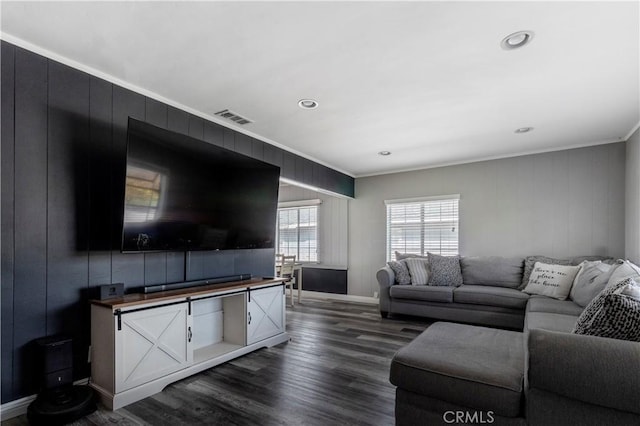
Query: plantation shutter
point(423, 225)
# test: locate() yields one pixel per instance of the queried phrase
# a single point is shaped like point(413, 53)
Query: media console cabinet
point(140, 343)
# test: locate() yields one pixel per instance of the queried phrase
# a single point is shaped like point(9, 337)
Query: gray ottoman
point(460, 372)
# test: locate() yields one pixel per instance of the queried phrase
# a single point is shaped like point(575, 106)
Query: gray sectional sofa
point(544, 375)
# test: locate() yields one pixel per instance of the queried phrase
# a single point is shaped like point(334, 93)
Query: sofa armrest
point(386, 278)
point(590, 369)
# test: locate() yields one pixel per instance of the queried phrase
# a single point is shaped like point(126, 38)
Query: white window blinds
point(423, 225)
point(298, 232)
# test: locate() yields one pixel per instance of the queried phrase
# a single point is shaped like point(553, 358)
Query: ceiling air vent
point(230, 115)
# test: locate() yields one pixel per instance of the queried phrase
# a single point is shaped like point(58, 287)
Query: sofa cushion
point(400, 271)
point(590, 281)
point(492, 296)
point(551, 280)
point(579, 259)
point(551, 322)
point(419, 270)
point(444, 270)
point(423, 292)
point(623, 269)
point(553, 306)
point(492, 271)
point(476, 367)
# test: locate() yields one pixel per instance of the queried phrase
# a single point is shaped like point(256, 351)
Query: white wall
point(333, 216)
point(632, 246)
point(564, 203)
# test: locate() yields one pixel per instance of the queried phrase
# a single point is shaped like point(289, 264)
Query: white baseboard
point(340, 297)
point(15, 408)
point(18, 407)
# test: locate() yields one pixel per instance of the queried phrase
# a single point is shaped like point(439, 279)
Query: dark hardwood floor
point(334, 371)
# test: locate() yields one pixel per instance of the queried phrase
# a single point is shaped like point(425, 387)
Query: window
point(298, 232)
point(423, 225)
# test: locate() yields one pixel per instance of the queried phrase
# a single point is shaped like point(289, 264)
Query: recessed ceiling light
point(516, 40)
point(385, 153)
point(523, 130)
point(307, 104)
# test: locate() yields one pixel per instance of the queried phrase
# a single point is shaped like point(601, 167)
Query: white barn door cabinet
point(151, 344)
point(265, 314)
point(140, 343)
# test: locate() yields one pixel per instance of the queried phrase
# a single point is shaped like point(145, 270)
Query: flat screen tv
point(183, 194)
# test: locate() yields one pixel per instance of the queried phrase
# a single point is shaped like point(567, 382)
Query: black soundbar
point(187, 284)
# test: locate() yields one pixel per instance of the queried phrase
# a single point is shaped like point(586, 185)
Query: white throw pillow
point(625, 269)
point(590, 281)
point(418, 269)
point(551, 280)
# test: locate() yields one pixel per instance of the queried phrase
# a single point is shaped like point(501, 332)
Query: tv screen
point(183, 194)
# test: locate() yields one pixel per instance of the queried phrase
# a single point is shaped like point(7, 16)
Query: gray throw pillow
point(400, 271)
point(590, 281)
point(618, 316)
point(418, 269)
point(444, 270)
point(530, 261)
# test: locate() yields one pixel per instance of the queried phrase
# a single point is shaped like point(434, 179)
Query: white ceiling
point(427, 81)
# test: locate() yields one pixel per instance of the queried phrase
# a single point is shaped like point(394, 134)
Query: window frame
point(298, 205)
point(453, 202)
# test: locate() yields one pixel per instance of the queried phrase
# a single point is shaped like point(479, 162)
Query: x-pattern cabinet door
point(152, 343)
point(265, 313)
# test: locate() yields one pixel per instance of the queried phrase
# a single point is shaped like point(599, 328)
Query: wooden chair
point(279, 257)
point(287, 265)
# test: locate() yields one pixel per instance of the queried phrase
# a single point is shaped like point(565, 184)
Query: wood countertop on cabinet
point(142, 298)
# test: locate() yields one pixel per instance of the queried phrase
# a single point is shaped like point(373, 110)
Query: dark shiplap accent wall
point(63, 160)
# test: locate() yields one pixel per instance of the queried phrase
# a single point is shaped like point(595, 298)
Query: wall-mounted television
point(184, 194)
